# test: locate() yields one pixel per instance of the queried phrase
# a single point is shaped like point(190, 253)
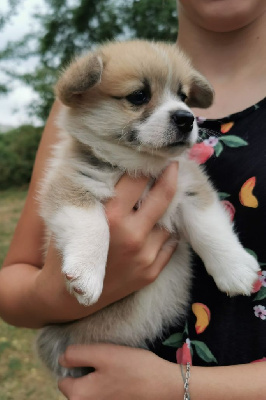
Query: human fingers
point(157, 200)
point(66, 386)
point(128, 191)
point(130, 229)
point(93, 355)
point(163, 257)
point(156, 253)
point(152, 245)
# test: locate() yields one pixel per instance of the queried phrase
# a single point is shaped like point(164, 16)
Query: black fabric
point(235, 331)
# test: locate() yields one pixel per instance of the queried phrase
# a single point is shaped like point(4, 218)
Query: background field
point(21, 375)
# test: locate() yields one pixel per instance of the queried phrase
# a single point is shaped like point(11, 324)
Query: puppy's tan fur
point(105, 133)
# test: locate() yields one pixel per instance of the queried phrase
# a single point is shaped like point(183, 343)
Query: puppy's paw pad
point(84, 280)
point(85, 287)
point(86, 296)
point(78, 291)
point(69, 277)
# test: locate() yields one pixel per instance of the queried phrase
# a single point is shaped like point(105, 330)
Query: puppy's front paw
point(238, 275)
point(84, 282)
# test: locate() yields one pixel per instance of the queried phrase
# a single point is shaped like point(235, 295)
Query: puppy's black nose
point(183, 120)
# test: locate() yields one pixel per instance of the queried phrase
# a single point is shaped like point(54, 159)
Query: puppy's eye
point(182, 95)
point(139, 97)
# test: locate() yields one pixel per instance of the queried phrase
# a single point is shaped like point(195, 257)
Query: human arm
point(33, 292)
point(129, 374)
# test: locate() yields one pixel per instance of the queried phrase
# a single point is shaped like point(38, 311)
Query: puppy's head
point(136, 94)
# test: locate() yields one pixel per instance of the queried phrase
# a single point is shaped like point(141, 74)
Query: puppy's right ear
point(201, 93)
point(81, 75)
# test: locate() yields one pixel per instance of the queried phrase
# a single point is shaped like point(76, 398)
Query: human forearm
point(141, 375)
point(32, 298)
point(21, 304)
point(18, 302)
point(238, 382)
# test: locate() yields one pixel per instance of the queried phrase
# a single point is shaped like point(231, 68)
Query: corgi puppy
point(126, 109)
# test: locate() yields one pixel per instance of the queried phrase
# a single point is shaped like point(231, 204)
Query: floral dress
point(223, 330)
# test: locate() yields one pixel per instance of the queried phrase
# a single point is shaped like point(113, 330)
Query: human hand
point(120, 373)
point(139, 249)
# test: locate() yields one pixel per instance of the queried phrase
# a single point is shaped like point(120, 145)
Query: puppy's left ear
point(201, 93)
point(80, 76)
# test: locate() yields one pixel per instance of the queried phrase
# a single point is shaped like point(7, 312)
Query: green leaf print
point(218, 149)
point(203, 351)
point(262, 264)
point(252, 253)
point(233, 141)
point(175, 340)
point(186, 329)
point(261, 294)
point(223, 195)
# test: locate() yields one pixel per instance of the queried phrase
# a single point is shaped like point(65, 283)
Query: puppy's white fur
point(102, 136)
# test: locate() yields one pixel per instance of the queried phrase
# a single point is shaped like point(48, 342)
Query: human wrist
point(172, 380)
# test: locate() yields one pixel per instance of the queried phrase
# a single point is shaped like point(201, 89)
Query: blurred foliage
point(9, 13)
point(17, 154)
point(70, 27)
point(5, 18)
point(154, 20)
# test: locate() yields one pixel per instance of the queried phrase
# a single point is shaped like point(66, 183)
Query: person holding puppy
point(225, 40)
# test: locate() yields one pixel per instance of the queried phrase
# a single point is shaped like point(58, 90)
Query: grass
point(11, 203)
point(22, 377)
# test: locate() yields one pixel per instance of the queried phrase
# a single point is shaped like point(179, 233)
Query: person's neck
point(233, 62)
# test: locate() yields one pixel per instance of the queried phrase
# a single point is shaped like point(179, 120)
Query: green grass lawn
point(22, 377)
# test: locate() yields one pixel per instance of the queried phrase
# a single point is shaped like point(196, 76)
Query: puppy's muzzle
point(183, 120)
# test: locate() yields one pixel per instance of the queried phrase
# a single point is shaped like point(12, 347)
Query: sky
point(13, 106)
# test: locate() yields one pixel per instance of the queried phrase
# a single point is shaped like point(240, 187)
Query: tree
point(70, 27)
point(65, 32)
point(154, 20)
point(5, 18)
point(17, 153)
